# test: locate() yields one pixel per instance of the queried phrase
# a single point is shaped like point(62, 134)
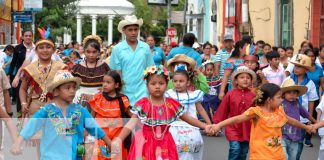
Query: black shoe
point(308, 143)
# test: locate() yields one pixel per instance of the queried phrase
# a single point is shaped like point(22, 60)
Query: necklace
point(67, 125)
point(91, 74)
point(42, 78)
point(159, 136)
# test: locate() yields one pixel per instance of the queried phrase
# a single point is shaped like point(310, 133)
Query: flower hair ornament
point(258, 97)
point(44, 34)
point(180, 67)
point(92, 37)
point(158, 70)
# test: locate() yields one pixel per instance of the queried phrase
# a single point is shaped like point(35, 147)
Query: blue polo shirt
point(188, 51)
point(132, 65)
point(158, 55)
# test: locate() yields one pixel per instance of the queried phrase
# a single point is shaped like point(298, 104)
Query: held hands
point(311, 129)
point(209, 130)
point(116, 145)
point(16, 148)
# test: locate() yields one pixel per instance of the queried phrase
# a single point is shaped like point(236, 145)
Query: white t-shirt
point(310, 95)
point(321, 108)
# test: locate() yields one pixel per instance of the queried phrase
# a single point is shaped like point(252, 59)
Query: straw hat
point(289, 85)
point(129, 20)
point(303, 61)
point(181, 58)
point(62, 77)
point(244, 69)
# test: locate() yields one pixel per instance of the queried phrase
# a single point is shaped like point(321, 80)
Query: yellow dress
point(266, 136)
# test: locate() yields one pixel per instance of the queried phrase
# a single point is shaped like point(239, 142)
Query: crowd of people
point(266, 99)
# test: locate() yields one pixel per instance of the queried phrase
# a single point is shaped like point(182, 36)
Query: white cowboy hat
point(244, 69)
point(129, 20)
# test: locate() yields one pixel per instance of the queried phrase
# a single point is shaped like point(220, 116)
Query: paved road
point(215, 148)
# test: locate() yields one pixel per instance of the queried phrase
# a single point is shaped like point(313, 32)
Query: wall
point(301, 22)
point(262, 15)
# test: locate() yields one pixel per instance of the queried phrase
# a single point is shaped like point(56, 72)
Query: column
point(94, 24)
point(110, 29)
point(79, 28)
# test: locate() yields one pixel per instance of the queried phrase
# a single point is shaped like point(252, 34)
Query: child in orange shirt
point(267, 118)
point(108, 108)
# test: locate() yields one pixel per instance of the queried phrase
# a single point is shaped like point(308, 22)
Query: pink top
point(276, 77)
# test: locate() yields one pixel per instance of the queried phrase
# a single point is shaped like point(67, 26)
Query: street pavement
point(215, 148)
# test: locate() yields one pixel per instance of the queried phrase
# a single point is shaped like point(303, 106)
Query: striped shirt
point(222, 57)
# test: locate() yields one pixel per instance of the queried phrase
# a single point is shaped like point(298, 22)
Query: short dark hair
point(260, 42)
point(247, 39)
point(9, 48)
point(272, 54)
point(25, 31)
point(216, 48)
point(267, 44)
point(290, 48)
point(282, 47)
point(182, 72)
point(189, 39)
point(321, 47)
point(207, 44)
point(130, 25)
point(316, 51)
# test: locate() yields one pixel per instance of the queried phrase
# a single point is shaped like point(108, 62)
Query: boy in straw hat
point(302, 63)
point(234, 103)
point(63, 123)
point(292, 135)
point(130, 58)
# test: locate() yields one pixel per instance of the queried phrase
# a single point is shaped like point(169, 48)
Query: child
point(198, 80)
point(91, 70)
point(63, 123)
point(320, 119)
point(210, 101)
point(302, 64)
point(274, 73)
point(291, 135)
point(290, 52)
point(156, 113)
point(267, 118)
point(251, 61)
point(234, 103)
point(109, 107)
point(73, 59)
point(188, 139)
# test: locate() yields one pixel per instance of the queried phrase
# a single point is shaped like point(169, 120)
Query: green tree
point(57, 14)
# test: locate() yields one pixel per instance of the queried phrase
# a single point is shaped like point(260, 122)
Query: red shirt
point(235, 103)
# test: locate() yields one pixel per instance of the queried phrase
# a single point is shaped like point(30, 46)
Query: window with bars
point(286, 24)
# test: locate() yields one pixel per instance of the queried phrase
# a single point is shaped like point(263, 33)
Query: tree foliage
point(57, 14)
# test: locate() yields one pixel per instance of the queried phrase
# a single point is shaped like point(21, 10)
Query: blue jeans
point(290, 148)
point(238, 150)
point(301, 144)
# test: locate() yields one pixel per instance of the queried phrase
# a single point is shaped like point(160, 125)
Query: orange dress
point(266, 136)
point(109, 118)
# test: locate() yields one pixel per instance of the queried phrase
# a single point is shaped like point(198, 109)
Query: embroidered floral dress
point(187, 138)
point(154, 141)
point(61, 134)
point(266, 136)
point(109, 117)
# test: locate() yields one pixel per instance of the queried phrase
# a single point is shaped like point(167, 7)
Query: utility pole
point(184, 17)
point(169, 12)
